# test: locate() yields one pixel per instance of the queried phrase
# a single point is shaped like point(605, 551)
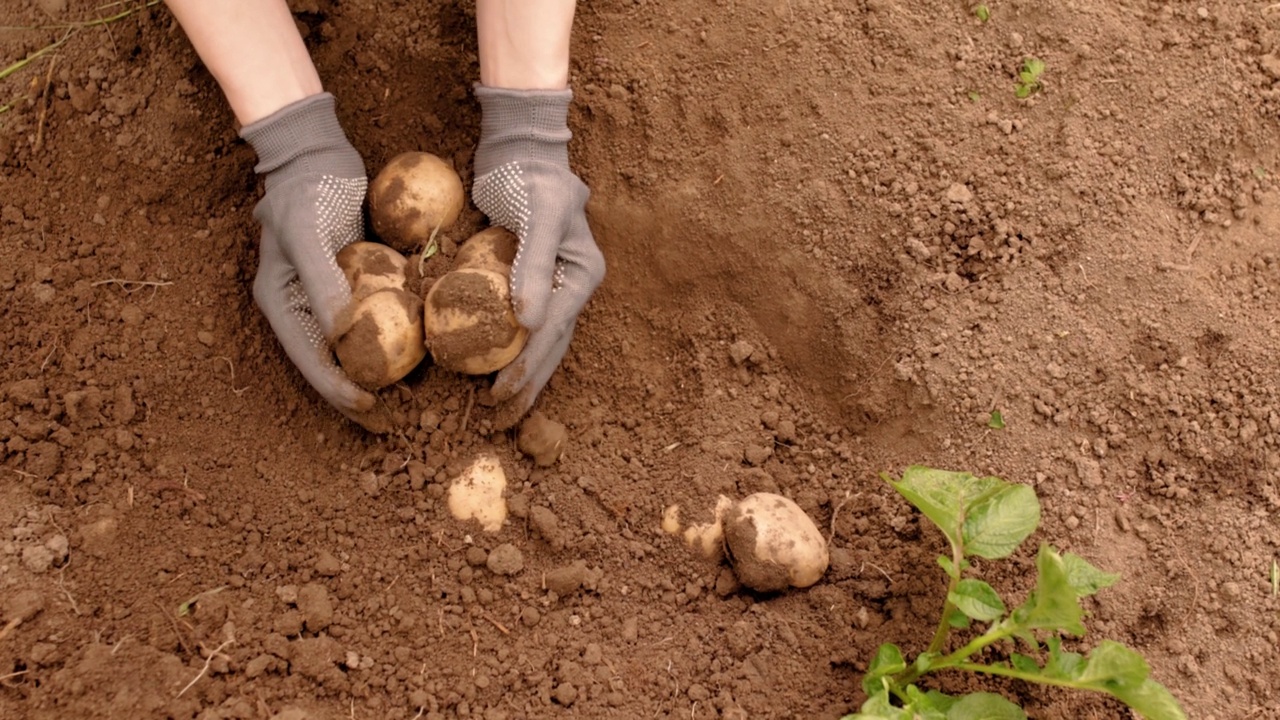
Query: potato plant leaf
point(978, 600)
point(888, 661)
point(1024, 663)
point(945, 496)
point(997, 524)
point(931, 701)
point(985, 706)
point(1053, 605)
point(1085, 579)
point(1151, 700)
point(1062, 665)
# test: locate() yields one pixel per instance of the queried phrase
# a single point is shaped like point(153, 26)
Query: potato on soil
point(773, 544)
point(413, 196)
point(469, 324)
point(477, 494)
point(384, 341)
point(371, 267)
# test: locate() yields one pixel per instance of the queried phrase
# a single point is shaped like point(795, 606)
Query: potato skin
point(773, 544)
point(370, 267)
point(413, 195)
point(384, 341)
point(493, 249)
point(469, 324)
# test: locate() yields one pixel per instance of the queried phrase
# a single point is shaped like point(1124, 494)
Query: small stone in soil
point(315, 606)
point(542, 439)
point(566, 580)
point(506, 559)
point(327, 565)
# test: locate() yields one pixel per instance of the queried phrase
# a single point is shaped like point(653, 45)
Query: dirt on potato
point(837, 243)
point(475, 318)
point(372, 348)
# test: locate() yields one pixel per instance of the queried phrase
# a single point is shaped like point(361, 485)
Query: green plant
point(988, 518)
point(1029, 77)
point(982, 12)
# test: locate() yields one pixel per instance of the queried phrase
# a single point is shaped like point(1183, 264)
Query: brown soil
point(836, 241)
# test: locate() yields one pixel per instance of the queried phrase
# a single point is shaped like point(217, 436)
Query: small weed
point(982, 12)
point(997, 420)
point(1029, 77)
point(974, 96)
point(989, 518)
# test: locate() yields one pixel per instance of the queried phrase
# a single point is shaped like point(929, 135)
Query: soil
point(837, 242)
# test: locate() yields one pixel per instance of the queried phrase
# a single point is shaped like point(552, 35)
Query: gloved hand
point(312, 208)
point(524, 184)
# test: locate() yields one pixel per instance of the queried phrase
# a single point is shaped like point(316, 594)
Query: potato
point(477, 494)
point(490, 249)
point(773, 544)
point(371, 267)
point(384, 339)
point(413, 196)
point(469, 324)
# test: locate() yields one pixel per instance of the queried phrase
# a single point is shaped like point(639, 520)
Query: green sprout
point(1029, 77)
point(997, 420)
point(988, 518)
point(983, 12)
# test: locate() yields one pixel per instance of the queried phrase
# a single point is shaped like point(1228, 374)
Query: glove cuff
point(301, 138)
point(522, 125)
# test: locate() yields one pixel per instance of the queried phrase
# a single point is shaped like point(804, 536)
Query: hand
point(315, 187)
point(523, 183)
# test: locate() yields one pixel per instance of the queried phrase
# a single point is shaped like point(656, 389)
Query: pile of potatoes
point(464, 320)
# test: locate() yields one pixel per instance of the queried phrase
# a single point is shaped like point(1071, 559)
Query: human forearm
point(253, 49)
point(524, 44)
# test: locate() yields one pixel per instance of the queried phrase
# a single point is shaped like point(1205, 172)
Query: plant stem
point(1020, 675)
point(944, 625)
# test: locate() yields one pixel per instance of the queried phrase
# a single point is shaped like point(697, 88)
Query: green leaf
point(930, 702)
point(1062, 665)
point(1152, 700)
point(997, 523)
point(1085, 579)
point(985, 706)
point(1122, 672)
point(1113, 663)
point(957, 619)
point(983, 13)
point(944, 496)
point(974, 96)
point(997, 420)
point(878, 707)
point(1026, 78)
point(887, 661)
point(1022, 91)
point(1053, 604)
point(1035, 66)
point(978, 600)
point(1024, 663)
point(947, 566)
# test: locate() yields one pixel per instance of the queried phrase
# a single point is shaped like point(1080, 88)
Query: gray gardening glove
point(315, 187)
point(523, 183)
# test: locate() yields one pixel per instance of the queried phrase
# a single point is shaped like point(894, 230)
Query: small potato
point(469, 324)
point(384, 341)
point(413, 196)
point(371, 267)
point(773, 544)
point(490, 249)
point(477, 494)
